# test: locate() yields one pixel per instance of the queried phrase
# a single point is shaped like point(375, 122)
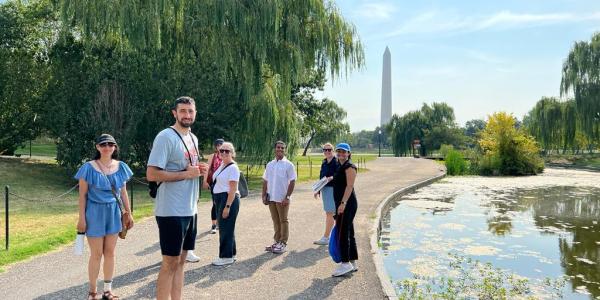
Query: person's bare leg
point(110, 243)
point(329, 220)
point(164, 283)
point(178, 278)
point(96, 246)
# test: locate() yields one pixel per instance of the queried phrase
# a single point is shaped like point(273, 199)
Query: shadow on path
point(119, 281)
point(319, 289)
point(305, 258)
point(208, 275)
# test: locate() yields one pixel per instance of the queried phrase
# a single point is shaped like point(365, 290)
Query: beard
point(185, 124)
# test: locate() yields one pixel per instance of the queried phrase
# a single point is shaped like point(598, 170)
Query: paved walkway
point(304, 272)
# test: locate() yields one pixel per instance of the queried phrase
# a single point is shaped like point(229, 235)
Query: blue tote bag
point(334, 243)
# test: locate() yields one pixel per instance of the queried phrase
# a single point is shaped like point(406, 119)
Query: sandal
point(108, 295)
point(92, 296)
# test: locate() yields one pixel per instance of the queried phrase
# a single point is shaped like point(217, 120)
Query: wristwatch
point(288, 197)
point(227, 206)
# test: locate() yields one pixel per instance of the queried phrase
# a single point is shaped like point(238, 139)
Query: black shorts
point(176, 233)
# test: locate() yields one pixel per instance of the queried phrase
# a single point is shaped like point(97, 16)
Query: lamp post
point(379, 142)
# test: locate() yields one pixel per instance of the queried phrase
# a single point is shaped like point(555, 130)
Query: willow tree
point(553, 123)
point(433, 125)
point(263, 46)
point(581, 76)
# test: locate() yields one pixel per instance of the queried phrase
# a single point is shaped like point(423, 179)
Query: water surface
point(536, 227)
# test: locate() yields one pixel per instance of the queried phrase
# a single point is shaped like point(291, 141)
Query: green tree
point(26, 32)
point(433, 125)
point(321, 120)
point(262, 49)
point(581, 76)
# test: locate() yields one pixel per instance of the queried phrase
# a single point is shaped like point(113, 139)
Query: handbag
point(243, 186)
point(334, 242)
point(123, 232)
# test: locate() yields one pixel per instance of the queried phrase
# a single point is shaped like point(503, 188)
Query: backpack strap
point(186, 148)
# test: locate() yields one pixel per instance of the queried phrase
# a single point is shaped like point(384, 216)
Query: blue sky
point(478, 56)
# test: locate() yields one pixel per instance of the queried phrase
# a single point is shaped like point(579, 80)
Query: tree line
point(571, 123)
point(73, 69)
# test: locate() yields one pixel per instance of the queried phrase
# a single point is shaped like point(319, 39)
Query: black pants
point(227, 248)
point(345, 222)
point(213, 211)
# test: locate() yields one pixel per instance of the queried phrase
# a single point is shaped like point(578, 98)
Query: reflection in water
point(534, 229)
point(558, 209)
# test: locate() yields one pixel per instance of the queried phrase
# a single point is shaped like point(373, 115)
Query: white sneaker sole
point(342, 274)
point(222, 264)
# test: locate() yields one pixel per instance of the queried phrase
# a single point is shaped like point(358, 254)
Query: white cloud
point(376, 10)
point(449, 22)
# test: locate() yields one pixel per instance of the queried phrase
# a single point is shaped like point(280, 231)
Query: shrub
point(444, 149)
point(455, 163)
point(508, 150)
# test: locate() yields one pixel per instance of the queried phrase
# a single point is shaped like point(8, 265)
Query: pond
point(536, 227)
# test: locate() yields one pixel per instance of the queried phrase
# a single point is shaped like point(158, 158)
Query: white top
point(278, 175)
point(231, 173)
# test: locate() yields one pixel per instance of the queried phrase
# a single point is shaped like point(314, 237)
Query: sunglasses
point(102, 145)
point(327, 150)
point(224, 151)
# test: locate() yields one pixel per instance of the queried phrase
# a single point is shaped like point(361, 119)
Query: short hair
point(183, 100)
point(279, 143)
point(328, 144)
point(230, 146)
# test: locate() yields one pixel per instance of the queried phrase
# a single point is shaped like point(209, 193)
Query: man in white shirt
point(279, 180)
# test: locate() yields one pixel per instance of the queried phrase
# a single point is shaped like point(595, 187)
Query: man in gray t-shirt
point(174, 162)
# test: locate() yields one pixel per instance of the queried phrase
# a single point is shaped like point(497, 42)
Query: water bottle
point(79, 243)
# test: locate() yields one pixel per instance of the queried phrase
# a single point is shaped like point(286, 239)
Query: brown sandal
point(92, 296)
point(108, 295)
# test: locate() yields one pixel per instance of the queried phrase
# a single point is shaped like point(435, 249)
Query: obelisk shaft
point(386, 88)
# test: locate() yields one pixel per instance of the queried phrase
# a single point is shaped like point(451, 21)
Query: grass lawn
point(41, 222)
point(39, 147)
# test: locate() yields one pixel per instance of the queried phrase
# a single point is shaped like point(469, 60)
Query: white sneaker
point(191, 257)
point(234, 258)
point(343, 269)
point(322, 241)
point(223, 261)
point(213, 229)
point(354, 265)
point(279, 248)
point(270, 248)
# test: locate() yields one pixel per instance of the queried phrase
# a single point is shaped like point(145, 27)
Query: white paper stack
point(318, 186)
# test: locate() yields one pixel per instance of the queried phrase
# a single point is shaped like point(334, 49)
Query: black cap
point(105, 138)
point(218, 142)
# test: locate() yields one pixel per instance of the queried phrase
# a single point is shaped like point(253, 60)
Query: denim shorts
point(327, 197)
point(102, 219)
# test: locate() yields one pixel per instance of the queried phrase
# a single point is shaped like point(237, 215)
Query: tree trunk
point(312, 136)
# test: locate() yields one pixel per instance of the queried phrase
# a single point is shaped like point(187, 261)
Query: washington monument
point(386, 88)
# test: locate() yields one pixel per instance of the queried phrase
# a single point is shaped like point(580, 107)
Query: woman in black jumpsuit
point(346, 206)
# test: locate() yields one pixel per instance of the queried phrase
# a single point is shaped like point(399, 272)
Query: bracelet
point(344, 203)
point(227, 206)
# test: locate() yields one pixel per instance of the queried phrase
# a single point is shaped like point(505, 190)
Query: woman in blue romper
point(99, 212)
